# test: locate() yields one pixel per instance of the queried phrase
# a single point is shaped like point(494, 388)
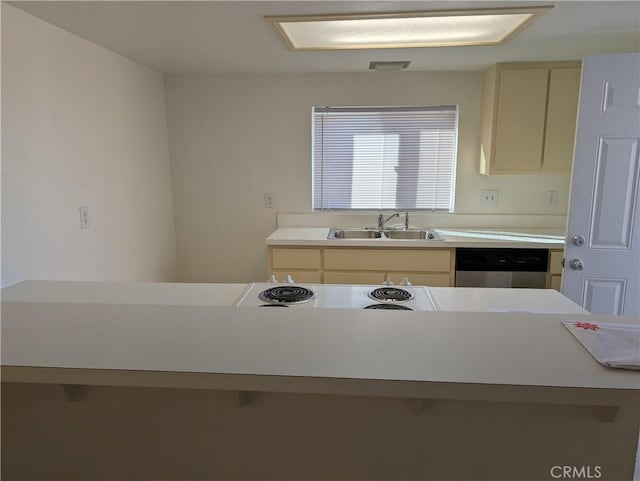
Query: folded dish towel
point(614, 345)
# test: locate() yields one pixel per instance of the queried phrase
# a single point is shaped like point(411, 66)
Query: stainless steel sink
point(354, 234)
point(415, 234)
point(426, 234)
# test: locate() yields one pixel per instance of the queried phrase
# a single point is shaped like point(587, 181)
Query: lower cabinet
point(360, 265)
point(364, 265)
point(554, 275)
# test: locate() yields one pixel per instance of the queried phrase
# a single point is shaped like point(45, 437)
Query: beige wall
point(81, 126)
point(234, 138)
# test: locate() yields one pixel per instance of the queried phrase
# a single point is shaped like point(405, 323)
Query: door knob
point(577, 240)
point(576, 264)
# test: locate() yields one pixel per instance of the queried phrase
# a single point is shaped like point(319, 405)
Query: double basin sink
point(413, 234)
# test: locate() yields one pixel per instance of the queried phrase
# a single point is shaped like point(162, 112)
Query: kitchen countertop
point(507, 356)
point(486, 299)
point(439, 354)
point(157, 293)
point(317, 236)
point(468, 299)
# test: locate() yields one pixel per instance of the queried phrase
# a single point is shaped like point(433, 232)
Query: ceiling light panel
point(403, 30)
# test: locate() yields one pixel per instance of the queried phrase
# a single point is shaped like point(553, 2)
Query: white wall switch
point(489, 198)
point(84, 217)
point(552, 198)
point(268, 200)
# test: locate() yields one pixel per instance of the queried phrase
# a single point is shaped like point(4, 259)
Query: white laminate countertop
point(317, 236)
point(514, 349)
point(486, 299)
point(157, 293)
point(190, 336)
point(469, 299)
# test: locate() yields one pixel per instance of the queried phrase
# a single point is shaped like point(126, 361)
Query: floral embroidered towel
point(614, 345)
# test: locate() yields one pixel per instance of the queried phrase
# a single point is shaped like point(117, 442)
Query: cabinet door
point(298, 276)
point(422, 279)
point(520, 122)
point(555, 261)
point(562, 110)
point(554, 277)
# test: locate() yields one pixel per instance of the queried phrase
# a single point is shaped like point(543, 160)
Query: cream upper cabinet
point(562, 108)
point(529, 117)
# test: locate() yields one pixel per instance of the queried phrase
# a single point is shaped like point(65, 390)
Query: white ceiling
point(183, 37)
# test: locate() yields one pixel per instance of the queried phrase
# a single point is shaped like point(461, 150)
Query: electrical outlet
point(552, 198)
point(84, 217)
point(268, 200)
point(489, 198)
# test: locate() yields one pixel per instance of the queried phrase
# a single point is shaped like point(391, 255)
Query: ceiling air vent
point(386, 66)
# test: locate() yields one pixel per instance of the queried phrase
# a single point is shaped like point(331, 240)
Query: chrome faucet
point(382, 221)
point(406, 220)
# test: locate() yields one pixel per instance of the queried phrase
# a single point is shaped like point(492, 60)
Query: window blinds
point(375, 158)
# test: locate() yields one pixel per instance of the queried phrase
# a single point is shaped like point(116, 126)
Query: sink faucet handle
point(382, 221)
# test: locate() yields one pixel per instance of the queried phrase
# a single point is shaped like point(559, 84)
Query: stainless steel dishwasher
point(523, 268)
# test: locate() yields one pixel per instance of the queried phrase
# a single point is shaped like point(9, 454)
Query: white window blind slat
point(375, 158)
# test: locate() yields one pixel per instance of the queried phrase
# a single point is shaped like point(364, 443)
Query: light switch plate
point(84, 217)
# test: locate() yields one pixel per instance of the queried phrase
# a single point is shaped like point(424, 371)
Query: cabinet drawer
point(282, 258)
point(298, 276)
point(398, 260)
point(555, 262)
point(348, 277)
point(420, 279)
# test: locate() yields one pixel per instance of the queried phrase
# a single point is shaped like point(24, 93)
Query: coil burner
point(391, 307)
point(390, 294)
point(287, 295)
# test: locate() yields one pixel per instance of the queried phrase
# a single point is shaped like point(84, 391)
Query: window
point(374, 158)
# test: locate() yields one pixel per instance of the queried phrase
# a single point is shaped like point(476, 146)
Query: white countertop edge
point(320, 385)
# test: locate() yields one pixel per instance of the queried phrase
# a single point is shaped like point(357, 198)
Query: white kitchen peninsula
point(233, 391)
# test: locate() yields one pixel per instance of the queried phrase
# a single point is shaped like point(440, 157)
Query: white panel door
point(602, 254)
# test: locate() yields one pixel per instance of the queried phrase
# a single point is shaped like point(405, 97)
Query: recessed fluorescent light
point(383, 66)
point(402, 30)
